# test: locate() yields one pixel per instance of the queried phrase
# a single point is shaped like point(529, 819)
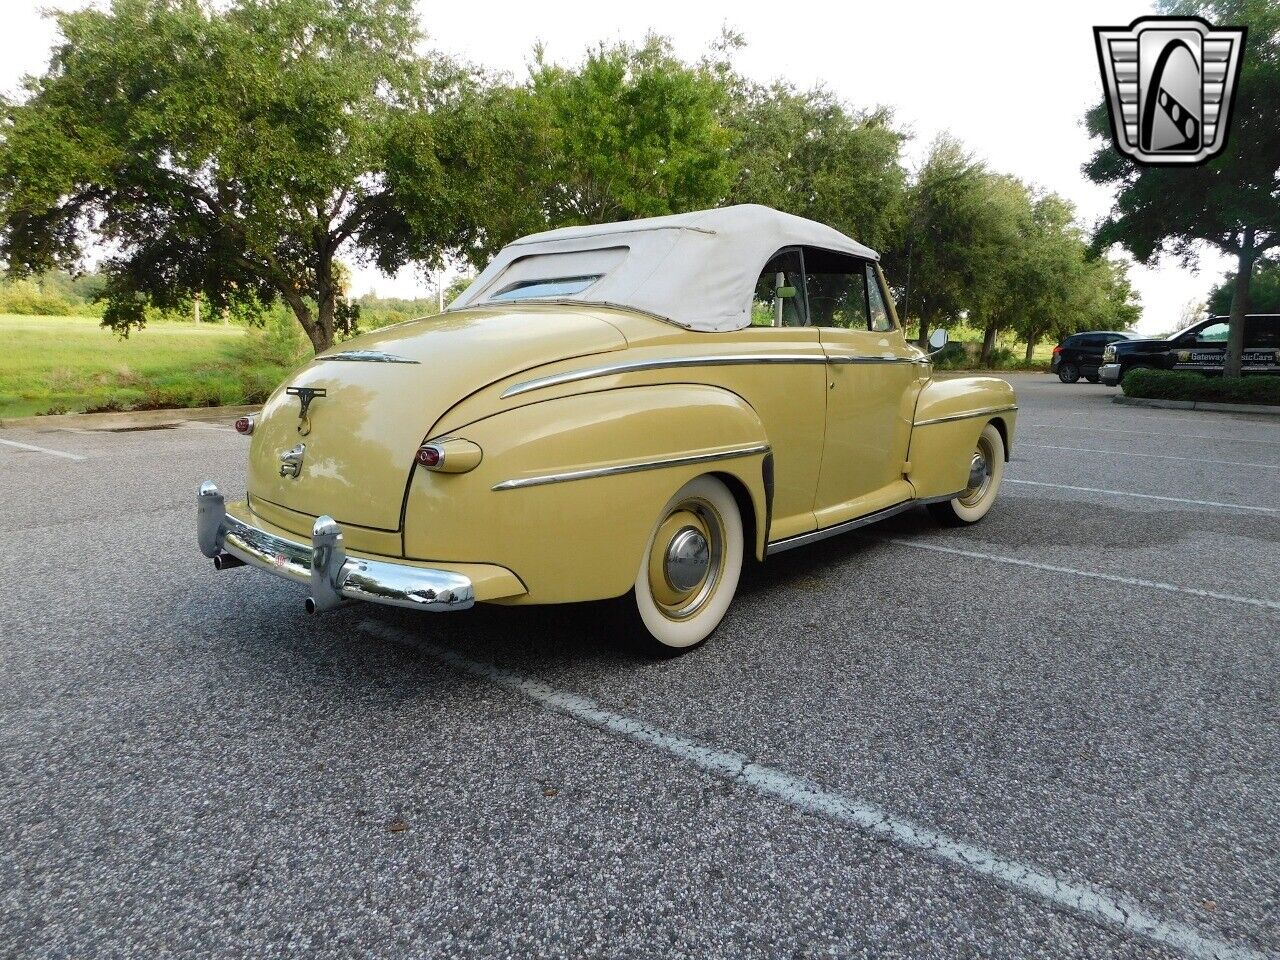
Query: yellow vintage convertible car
point(614, 411)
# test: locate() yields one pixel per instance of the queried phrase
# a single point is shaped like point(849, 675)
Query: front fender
point(568, 490)
point(949, 416)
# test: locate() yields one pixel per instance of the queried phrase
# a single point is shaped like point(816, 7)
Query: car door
point(1091, 353)
point(1262, 344)
point(873, 378)
point(1202, 349)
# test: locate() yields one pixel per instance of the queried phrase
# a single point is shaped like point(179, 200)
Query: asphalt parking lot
point(1054, 734)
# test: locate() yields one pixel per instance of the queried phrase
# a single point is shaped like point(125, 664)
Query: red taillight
point(244, 425)
point(429, 456)
point(1057, 349)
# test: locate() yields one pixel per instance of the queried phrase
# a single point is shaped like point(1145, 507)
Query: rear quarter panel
point(581, 539)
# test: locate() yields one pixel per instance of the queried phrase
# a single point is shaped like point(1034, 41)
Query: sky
point(1012, 80)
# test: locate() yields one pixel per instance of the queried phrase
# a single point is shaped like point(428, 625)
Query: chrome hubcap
point(979, 474)
point(688, 559)
point(977, 471)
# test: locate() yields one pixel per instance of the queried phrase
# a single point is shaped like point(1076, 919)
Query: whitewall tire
point(689, 571)
point(986, 470)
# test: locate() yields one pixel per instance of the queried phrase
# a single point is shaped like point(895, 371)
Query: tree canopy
point(234, 151)
point(1264, 290)
point(230, 151)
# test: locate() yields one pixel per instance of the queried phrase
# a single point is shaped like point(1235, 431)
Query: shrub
point(25, 299)
point(953, 356)
point(1181, 385)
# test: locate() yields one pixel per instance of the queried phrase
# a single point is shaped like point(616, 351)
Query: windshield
point(549, 288)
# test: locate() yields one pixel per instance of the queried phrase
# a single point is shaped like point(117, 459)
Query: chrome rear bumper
point(323, 564)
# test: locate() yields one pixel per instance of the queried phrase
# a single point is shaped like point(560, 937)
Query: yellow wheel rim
point(686, 558)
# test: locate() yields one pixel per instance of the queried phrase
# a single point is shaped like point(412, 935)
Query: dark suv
point(1080, 355)
point(1199, 348)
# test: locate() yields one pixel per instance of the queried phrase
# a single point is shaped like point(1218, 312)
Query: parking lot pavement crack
point(1078, 898)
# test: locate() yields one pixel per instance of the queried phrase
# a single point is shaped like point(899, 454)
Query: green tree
point(1264, 290)
point(630, 132)
point(1049, 273)
point(810, 154)
point(1233, 201)
point(232, 150)
point(957, 233)
point(1013, 280)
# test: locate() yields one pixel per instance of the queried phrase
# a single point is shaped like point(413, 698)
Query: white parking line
point(1149, 456)
point(1080, 898)
point(1149, 435)
point(1143, 496)
point(1092, 575)
point(33, 447)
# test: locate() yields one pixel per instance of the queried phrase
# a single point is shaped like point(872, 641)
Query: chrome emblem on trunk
point(305, 395)
point(291, 461)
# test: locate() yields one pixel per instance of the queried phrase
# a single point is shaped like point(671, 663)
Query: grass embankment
point(71, 364)
point(1177, 385)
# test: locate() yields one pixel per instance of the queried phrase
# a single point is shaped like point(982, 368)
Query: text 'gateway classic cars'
point(614, 411)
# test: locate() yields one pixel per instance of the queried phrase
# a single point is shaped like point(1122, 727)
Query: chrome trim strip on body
point(367, 356)
point(966, 416)
point(759, 448)
point(842, 358)
point(659, 363)
point(813, 536)
point(334, 578)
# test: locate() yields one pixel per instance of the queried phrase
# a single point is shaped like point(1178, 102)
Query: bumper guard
point(335, 579)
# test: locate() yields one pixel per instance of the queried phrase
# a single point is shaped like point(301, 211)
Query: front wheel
point(689, 571)
point(1094, 378)
point(1068, 372)
point(986, 470)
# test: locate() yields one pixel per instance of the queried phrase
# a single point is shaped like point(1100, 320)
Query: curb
point(1264, 409)
point(127, 418)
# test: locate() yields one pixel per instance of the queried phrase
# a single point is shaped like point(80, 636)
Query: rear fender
point(568, 490)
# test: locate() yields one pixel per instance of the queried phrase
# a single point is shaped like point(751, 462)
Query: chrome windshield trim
point(660, 363)
point(966, 416)
point(367, 356)
point(516, 484)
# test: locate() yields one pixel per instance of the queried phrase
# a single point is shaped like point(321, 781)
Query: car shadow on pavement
point(586, 635)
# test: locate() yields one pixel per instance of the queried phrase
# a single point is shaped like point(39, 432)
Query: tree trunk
point(1031, 346)
point(988, 344)
point(1240, 305)
point(314, 331)
point(328, 305)
point(924, 333)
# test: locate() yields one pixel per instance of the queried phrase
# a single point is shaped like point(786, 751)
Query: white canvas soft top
point(698, 270)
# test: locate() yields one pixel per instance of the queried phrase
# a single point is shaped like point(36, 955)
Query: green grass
point(71, 364)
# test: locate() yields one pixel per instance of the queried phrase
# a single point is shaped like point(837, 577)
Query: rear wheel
point(1068, 372)
point(689, 572)
point(986, 470)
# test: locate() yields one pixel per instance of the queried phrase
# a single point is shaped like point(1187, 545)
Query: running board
point(813, 536)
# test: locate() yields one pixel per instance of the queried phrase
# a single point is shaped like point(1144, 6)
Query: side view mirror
point(937, 340)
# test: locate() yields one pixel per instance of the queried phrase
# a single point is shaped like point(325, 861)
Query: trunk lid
point(360, 435)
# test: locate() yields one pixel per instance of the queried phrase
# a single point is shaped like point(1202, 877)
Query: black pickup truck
point(1200, 348)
